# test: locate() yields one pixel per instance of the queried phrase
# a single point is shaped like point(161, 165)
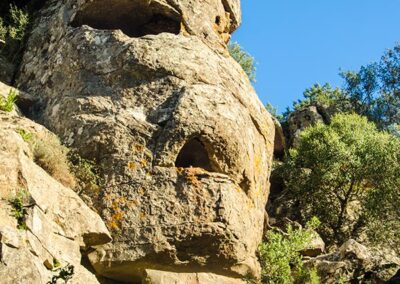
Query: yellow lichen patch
point(257, 163)
point(117, 215)
point(131, 166)
point(138, 147)
point(143, 163)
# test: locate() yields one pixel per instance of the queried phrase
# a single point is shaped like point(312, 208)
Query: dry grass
point(50, 155)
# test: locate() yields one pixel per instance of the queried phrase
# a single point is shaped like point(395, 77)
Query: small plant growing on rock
point(64, 273)
point(26, 135)
point(86, 172)
point(7, 104)
point(52, 157)
point(19, 208)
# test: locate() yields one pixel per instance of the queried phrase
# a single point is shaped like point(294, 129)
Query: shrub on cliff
point(244, 59)
point(280, 257)
point(346, 174)
point(13, 29)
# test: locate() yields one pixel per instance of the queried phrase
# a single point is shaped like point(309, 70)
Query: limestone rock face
point(43, 225)
point(184, 143)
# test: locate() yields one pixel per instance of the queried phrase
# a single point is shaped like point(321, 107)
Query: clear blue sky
point(299, 42)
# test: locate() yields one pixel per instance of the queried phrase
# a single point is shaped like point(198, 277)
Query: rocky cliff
point(148, 92)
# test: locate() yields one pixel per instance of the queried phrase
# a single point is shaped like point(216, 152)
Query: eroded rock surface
point(301, 119)
point(43, 225)
point(356, 263)
point(183, 141)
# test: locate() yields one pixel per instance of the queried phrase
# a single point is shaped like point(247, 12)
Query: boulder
point(315, 247)
point(43, 224)
point(356, 263)
point(150, 93)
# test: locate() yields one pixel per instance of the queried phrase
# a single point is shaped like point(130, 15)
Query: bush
point(345, 173)
point(7, 104)
point(87, 174)
point(19, 208)
point(50, 155)
point(280, 257)
point(244, 59)
point(13, 31)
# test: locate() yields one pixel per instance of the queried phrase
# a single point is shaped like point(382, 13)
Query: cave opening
point(194, 154)
point(133, 18)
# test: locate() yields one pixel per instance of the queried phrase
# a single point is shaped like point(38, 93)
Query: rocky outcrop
point(303, 118)
point(150, 93)
point(44, 226)
point(355, 263)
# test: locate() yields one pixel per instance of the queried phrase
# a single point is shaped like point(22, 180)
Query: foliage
point(64, 273)
point(340, 170)
point(273, 111)
point(13, 30)
point(56, 263)
point(244, 59)
point(327, 96)
point(49, 154)
point(3, 30)
point(394, 129)
point(19, 20)
point(280, 255)
point(322, 95)
point(374, 90)
point(26, 135)
point(19, 209)
point(7, 104)
point(86, 172)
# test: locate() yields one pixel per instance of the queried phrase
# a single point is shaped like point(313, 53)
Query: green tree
point(244, 59)
point(339, 171)
point(374, 91)
point(325, 95)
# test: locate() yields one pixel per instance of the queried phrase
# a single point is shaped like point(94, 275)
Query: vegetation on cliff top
point(244, 59)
